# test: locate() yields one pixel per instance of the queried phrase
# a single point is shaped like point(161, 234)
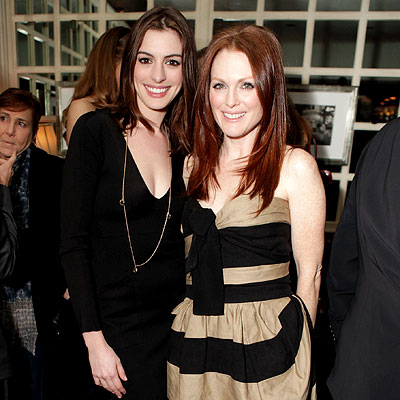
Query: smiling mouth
point(156, 90)
point(233, 116)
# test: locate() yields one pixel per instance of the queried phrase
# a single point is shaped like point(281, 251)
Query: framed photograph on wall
point(64, 93)
point(330, 111)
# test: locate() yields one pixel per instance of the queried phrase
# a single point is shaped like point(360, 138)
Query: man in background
point(364, 277)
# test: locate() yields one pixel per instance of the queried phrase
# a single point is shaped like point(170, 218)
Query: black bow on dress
point(204, 260)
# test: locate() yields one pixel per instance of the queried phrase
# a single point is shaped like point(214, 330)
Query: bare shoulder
point(81, 106)
point(299, 170)
point(76, 109)
point(299, 161)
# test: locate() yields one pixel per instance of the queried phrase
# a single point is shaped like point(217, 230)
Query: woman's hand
point(6, 170)
point(106, 366)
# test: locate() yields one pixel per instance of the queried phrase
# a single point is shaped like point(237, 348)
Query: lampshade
point(46, 138)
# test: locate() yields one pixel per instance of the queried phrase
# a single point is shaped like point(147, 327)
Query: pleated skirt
point(256, 350)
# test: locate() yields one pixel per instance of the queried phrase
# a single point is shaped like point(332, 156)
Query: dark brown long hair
point(261, 174)
point(98, 80)
point(179, 116)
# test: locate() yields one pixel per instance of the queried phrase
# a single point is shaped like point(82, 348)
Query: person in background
point(364, 277)
point(241, 333)
point(8, 250)
point(33, 294)
point(299, 132)
point(98, 86)
point(122, 248)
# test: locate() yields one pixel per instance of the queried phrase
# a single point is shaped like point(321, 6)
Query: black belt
point(253, 291)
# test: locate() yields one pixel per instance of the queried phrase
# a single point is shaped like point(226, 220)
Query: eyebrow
point(240, 80)
point(19, 119)
point(151, 55)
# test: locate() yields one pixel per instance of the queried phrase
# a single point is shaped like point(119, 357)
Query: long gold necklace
point(122, 203)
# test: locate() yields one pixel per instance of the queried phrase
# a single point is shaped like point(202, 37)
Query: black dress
point(240, 334)
point(132, 309)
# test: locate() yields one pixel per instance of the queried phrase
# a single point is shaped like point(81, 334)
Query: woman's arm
point(80, 179)
point(82, 172)
point(306, 197)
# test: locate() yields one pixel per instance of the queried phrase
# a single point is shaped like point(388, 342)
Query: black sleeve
point(343, 264)
point(8, 234)
point(82, 171)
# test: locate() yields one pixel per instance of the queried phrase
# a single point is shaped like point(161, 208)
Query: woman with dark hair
point(122, 248)
point(98, 86)
point(241, 333)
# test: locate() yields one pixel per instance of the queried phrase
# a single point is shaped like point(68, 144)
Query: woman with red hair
point(253, 200)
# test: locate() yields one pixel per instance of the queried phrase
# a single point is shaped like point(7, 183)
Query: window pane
point(291, 34)
point(24, 83)
point(126, 6)
point(235, 5)
point(70, 77)
point(220, 24)
point(286, 5)
point(332, 198)
point(182, 5)
point(360, 140)
point(334, 44)
point(192, 24)
point(78, 6)
point(33, 6)
point(39, 53)
point(35, 43)
point(293, 79)
point(77, 39)
point(338, 5)
point(22, 48)
point(43, 87)
point(382, 44)
point(42, 6)
point(378, 99)
point(330, 80)
point(20, 7)
point(384, 5)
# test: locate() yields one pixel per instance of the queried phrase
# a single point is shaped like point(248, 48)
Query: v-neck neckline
point(141, 176)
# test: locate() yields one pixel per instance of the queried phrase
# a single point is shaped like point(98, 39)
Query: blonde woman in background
point(98, 86)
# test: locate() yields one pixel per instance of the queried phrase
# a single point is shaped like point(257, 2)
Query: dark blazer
point(37, 258)
point(364, 277)
point(8, 249)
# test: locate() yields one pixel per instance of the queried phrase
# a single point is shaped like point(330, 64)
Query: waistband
point(259, 291)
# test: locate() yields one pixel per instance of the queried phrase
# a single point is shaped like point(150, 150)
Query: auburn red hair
point(261, 174)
